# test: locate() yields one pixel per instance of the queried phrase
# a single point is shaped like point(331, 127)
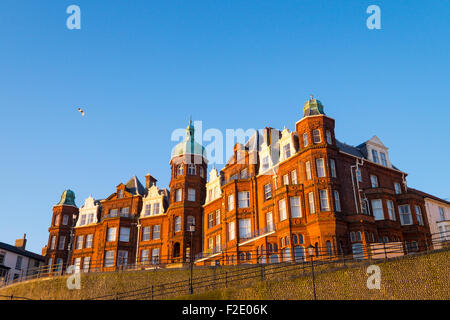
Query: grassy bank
point(413, 277)
point(417, 277)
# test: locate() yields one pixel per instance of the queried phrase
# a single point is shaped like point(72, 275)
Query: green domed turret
point(189, 145)
point(313, 107)
point(67, 198)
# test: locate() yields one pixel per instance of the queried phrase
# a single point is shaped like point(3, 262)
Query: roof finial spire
point(312, 96)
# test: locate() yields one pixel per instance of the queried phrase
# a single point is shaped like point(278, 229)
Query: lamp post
point(311, 254)
point(191, 259)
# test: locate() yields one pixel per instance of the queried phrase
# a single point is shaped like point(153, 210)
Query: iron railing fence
point(262, 272)
point(288, 254)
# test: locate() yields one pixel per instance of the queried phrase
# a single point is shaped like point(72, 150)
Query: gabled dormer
point(155, 202)
point(374, 150)
point(213, 190)
point(269, 153)
point(88, 212)
point(288, 144)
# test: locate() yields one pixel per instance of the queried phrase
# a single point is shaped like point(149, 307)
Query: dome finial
point(312, 107)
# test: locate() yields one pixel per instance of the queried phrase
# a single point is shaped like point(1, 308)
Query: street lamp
point(311, 250)
point(191, 258)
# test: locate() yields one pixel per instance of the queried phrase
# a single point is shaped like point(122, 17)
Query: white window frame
point(178, 195)
point(267, 191)
point(337, 201)
point(156, 232)
point(329, 139)
point(286, 179)
point(231, 230)
point(391, 210)
point(231, 202)
point(305, 139)
point(245, 230)
point(317, 136)
point(124, 234)
point(312, 208)
point(191, 194)
point(294, 177)
point(244, 199)
point(324, 203)
point(405, 214)
point(282, 209)
point(146, 231)
point(374, 181)
point(177, 226)
point(419, 215)
point(296, 208)
point(333, 168)
point(308, 170)
point(377, 209)
point(320, 168)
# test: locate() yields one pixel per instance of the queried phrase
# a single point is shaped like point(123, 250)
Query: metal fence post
point(152, 292)
point(262, 272)
point(384, 247)
point(226, 279)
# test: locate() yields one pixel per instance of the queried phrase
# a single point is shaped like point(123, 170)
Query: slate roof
point(134, 186)
point(22, 252)
point(427, 195)
point(349, 149)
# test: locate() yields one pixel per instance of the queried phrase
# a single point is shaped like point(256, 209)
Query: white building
point(438, 214)
point(16, 262)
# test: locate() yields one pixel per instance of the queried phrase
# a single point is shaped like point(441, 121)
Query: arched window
point(316, 246)
point(269, 247)
point(282, 242)
point(180, 170)
point(249, 256)
point(358, 236)
point(262, 250)
point(352, 236)
point(177, 224)
point(329, 248)
point(299, 254)
point(275, 247)
point(294, 239)
point(191, 169)
point(287, 254)
point(366, 236)
point(241, 257)
point(286, 240)
point(300, 239)
point(274, 258)
point(176, 249)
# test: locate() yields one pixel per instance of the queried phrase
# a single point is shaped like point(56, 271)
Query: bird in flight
point(81, 111)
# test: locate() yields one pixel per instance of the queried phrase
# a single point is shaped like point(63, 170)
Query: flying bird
point(81, 111)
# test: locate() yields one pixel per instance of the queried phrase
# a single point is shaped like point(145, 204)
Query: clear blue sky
point(140, 68)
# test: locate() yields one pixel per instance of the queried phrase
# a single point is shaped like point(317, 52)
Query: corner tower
point(187, 195)
point(65, 214)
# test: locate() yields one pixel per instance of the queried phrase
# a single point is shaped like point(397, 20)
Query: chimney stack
point(149, 181)
point(21, 243)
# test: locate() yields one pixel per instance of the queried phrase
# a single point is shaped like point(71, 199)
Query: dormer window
point(244, 173)
point(65, 220)
point(375, 156)
point(191, 169)
point(316, 136)
point(397, 187)
point(374, 181)
point(120, 194)
point(156, 208)
point(305, 139)
point(148, 209)
point(328, 133)
point(265, 163)
point(383, 159)
point(287, 150)
point(180, 170)
point(202, 172)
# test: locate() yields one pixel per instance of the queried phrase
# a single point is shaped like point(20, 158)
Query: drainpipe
point(356, 166)
point(137, 240)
